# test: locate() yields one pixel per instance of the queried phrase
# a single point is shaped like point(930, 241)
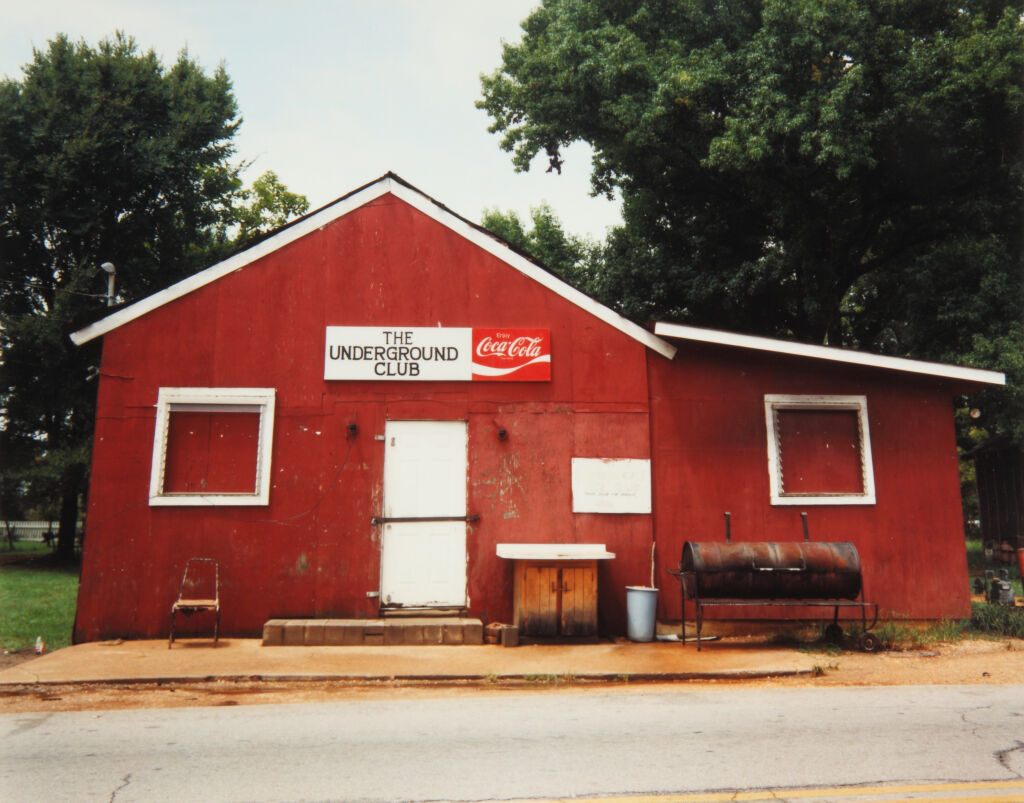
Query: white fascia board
point(233, 263)
point(833, 354)
point(498, 249)
point(348, 204)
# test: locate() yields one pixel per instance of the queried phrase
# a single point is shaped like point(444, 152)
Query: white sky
point(334, 93)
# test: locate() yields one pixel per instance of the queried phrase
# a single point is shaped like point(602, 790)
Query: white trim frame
point(258, 400)
point(343, 206)
point(773, 403)
point(849, 356)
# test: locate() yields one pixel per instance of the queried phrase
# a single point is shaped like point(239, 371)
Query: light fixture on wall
point(502, 434)
point(111, 271)
point(353, 429)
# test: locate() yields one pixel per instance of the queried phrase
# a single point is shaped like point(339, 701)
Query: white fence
point(29, 530)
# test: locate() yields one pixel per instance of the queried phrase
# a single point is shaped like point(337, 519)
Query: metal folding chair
point(200, 591)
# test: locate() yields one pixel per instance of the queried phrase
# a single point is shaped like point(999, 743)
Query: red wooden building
point(352, 415)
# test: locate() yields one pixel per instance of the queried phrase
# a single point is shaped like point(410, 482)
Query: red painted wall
point(710, 455)
point(313, 550)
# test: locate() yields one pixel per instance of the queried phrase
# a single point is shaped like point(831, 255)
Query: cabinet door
point(539, 611)
point(579, 601)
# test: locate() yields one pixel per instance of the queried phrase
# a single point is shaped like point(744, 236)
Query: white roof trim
point(681, 332)
point(348, 204)
point(232, 263)
point(497, 248)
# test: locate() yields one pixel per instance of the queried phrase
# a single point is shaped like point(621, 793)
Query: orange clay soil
point(969, 661)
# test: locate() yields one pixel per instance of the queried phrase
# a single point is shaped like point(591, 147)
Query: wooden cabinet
point(556, 598)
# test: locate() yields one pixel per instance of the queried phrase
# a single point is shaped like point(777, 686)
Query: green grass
point(37, 598)
point(24, 548)
point(997, 620)
point(986, 621)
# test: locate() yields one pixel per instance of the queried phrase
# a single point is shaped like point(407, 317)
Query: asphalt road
point(476, 746)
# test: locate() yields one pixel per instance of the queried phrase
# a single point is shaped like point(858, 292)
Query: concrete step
point(354, 632)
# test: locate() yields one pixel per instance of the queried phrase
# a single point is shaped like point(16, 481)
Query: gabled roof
point(389, 183)
point(972, 375)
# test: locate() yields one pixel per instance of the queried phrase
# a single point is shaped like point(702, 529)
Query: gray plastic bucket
point(641, 609)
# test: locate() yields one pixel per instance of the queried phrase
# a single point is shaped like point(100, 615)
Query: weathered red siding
point(313, 550)
point(710, 456)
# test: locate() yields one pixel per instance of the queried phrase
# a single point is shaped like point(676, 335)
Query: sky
point(335, 93)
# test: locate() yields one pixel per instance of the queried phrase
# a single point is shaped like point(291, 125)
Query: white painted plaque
point(399, 353)
point(605, 485)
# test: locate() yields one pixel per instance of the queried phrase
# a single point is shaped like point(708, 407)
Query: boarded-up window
point(211, 451)
point(819, 451)
point(212, 446)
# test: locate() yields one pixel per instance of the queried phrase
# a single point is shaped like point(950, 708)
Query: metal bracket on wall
point(377, 520)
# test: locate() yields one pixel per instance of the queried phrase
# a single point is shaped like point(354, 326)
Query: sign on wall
point(449, 354)
point(611, 486)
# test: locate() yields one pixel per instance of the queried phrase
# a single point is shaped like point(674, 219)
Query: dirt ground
point(970, 661)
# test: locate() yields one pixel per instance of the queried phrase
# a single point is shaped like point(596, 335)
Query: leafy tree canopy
point(836, 171)
point(105, 156)
point(267, 205)
point(575, 259)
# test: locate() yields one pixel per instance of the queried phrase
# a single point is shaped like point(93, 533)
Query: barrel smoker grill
point(761, 573)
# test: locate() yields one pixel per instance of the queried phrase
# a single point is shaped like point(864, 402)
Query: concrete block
point(314, 633)
point(294, 633)
point(453, 634)
point(273, 633)
point(394, 633)
point(413, 634)
point(473, 633)
point(335, 632)
point(433, 634)
point(352, 634)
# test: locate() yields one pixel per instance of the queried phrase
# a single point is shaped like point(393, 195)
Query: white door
point(423, 541)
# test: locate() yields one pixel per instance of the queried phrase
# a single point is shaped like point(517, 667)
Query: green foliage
point(572, 258)
point(977, 565)
point(37, 599)
point(267, 205)
point(1002, 408)
point(105, 156)
point(997, 620)
point(834, 171)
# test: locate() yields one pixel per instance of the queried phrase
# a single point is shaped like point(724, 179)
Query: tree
point(105, 156)
point(574, 259)
point(270, 205)
point(773, 155)
point(837, 171)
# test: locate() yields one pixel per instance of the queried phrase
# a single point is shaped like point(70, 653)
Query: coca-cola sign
point(519, 355)
point(452, 354)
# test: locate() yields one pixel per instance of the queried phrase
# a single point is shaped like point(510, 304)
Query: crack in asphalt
point(975, 726)
point(127, 779)
point(1002, 756)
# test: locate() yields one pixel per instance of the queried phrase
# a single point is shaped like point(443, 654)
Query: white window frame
point(218, 400)
point(773, 403)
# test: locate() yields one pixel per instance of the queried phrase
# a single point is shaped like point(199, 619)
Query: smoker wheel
point(868, 642)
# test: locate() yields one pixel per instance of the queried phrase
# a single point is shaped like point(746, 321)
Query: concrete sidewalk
point(200, 659)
